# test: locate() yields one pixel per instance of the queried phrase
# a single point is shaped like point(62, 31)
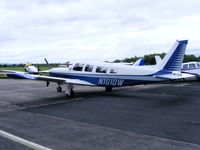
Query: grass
point(13, 68)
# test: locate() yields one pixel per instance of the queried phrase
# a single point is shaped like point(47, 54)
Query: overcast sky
point(94, 30)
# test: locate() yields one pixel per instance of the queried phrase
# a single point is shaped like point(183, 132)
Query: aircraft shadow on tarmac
point(156, 100)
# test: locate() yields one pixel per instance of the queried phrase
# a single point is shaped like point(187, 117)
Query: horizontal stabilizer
point(174, 76)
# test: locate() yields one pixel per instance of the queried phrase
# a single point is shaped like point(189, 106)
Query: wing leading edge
point(61, 80)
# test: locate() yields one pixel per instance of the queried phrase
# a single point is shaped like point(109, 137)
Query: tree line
point(150, 59)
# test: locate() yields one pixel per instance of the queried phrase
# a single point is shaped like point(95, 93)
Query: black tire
point(72, 93)
point(59, 89)
point(108, 89)
point(182, 80)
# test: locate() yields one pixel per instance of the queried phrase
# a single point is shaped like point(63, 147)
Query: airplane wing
point(25, 75)
point(187, 75)
point(61, 80)
point(15, 74)
point(11, 71)
point(191, 73)
point(3, 73)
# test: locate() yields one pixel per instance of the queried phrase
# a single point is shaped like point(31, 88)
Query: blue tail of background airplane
point(174, 59)
point(141, 62)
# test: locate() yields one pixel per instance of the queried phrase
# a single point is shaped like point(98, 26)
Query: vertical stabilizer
point(174, 58)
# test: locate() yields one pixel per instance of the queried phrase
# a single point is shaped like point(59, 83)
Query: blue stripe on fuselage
point(102, 80)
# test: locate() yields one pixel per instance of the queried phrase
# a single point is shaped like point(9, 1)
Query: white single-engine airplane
point(110, 75)
point(31, 68)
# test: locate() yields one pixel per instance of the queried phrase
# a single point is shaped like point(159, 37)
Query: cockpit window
point(185, 66)
point(113, 71)
point(78, 67)
point(192, 66)
point(101, 69)
point(88, 68)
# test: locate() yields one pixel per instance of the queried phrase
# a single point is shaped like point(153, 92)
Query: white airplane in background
point(192, 68)
point(66, 64)
point(139, 62)
point(110, 75)
point(31, 68)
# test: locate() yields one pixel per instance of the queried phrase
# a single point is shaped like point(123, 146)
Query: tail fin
point(174, 58)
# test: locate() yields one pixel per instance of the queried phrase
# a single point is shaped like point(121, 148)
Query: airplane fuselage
point(111, 76)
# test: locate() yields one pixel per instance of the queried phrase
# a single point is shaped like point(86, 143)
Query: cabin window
point(185, 66)
point(192, 66)
point(78, 67)
point(88, 68)
point(113, 71)
point(198, 65)
point(101, 69)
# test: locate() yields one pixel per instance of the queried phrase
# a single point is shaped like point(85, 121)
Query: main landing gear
point(108, 89)
point(69, 92)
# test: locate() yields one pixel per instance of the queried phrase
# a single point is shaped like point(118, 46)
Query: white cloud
point(93, 30)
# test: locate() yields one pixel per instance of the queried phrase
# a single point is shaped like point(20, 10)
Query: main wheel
point(108, 89)
point(71, 93)
point(59, 89)
point(182, 80)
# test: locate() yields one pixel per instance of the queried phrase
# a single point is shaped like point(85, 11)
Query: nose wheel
point(69, 90)
point(59, 89)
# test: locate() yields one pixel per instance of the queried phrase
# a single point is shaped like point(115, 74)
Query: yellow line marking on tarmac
point(22, 141)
